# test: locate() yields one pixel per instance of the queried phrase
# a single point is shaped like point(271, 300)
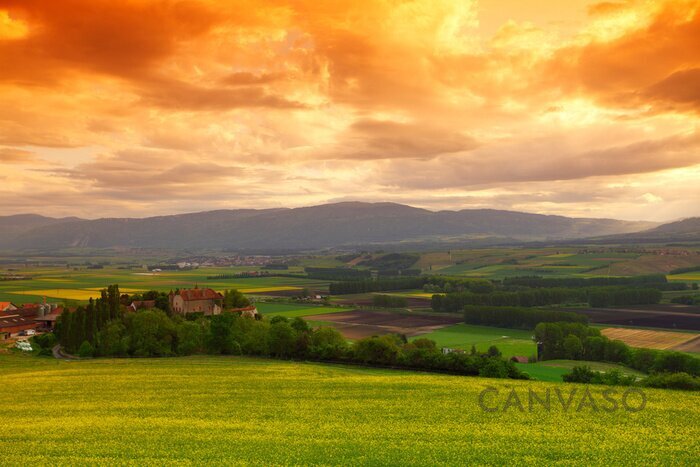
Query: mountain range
point(349, 224)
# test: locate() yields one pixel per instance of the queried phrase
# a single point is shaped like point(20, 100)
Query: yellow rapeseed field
point(233, 410)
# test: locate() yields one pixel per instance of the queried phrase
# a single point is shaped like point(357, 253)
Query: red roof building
point(207, 301)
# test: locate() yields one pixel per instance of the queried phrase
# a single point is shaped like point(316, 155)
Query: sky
point(136, 108)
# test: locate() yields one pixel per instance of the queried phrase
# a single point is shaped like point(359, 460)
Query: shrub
point(86, 350)
point(494, 368)
point(580, 374)
point(673, 381)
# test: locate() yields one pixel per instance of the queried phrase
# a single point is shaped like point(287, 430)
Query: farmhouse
point(7, 306)
point(48, 322)
point(10, 324)
point(250, 311)
point(137, 305)
point(196, 300)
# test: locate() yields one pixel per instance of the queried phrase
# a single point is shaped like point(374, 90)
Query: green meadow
point(510, 342)
point(294, 310)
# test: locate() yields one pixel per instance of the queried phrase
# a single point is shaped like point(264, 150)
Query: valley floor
point(231, 410)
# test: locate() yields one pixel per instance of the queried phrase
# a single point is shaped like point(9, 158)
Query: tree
point(256, 340)
point(550, 335)
point(383, 350)
point(594, 348)
point(327, 344)
point(617, 351)
point(190, 338)
point(300, 325)
point(573, 349)
point(282, 339)
point(113, 341)
point(493, 351)
point(235, 299)
point(152, 333)
point(220, 338)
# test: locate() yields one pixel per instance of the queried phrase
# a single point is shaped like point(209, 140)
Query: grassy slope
point(553, 370)
point(462, 336)
point(231, 410)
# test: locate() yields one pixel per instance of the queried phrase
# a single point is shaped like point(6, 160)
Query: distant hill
point(686, 230)
point(330, 225)
point(14, 226)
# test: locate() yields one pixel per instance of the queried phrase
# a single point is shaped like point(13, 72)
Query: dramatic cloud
point(141, 107)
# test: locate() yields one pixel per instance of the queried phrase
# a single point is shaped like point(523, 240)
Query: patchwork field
point(79, 285)
point(358, 324)
point(218, 410)
point(500, 263)
point(652, 339)
point(497, 263)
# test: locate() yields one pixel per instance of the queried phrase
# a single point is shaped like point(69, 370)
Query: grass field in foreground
point(462, 336)
point(239, 410)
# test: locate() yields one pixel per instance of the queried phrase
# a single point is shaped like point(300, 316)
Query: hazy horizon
point(318, 205)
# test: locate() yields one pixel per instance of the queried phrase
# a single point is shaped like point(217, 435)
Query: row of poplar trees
point(84, 325)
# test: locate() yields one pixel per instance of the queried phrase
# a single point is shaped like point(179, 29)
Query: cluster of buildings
point(29, 318)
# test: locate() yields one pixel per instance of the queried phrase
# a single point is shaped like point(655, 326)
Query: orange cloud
point(278, 102)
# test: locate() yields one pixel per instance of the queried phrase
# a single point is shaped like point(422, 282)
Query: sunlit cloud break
point(145, 107)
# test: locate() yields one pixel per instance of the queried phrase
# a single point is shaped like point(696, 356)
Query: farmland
point(652, 316)
point(553, 370)
point(653, 339)
point(510, 342)
point(498, 263)
point(358, 323)
point(80, 284)
point(240, 410)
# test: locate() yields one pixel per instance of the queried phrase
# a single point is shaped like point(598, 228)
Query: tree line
point(576, 341)
point(378, 285)
point(594, 296)
point(389, 301)
point(517, 317)
point(103, 325)
point(648, 280)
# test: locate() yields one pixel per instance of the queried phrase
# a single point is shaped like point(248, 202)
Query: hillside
point(331, 225)
point(686, 230)
point(256, 411)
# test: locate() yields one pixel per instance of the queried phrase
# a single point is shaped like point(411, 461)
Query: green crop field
point(462, 336)
point(219, 410)
point(294, 310)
